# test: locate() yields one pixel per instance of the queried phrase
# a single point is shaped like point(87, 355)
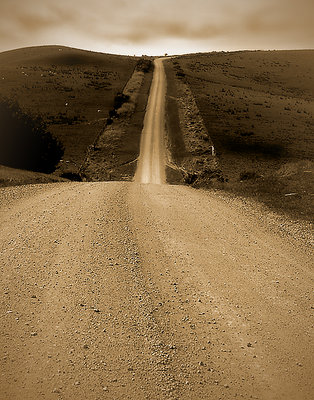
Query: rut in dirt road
point(151, 163)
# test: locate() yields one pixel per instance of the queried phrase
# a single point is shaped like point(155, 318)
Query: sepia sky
point(158, 26)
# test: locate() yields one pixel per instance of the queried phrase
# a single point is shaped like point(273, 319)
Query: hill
point(72, 90)
point(257, 108)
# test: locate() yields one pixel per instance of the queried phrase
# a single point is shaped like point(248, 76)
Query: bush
point(180, 74)
point(190, 177)
point(119, 99)
point(247, 175)
point(25, 142)
point(112, 113)
point(72, 176)
point(144, 65)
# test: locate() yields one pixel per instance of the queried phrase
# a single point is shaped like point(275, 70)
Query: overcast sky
point(158, 26)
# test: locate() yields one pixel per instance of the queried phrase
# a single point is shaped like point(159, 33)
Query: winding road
point(143, 290)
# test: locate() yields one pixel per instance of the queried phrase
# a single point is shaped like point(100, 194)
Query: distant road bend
point(125, 290)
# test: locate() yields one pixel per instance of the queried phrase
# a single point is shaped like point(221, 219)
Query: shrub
point(247, 175)
point(189, 177)
point(180, 74)
point(119, 99)
point(72, 176)
point(247, 133)
point(112, 113)
point(144, 65)
point(24, 141)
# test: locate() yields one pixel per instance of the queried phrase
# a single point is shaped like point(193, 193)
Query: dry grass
point(115, 152)
point(258, 109)
point(72, 90)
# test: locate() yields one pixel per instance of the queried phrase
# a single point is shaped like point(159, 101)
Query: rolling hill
point(71, 90)
point(257, 109)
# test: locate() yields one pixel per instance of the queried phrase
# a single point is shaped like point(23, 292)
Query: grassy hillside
point(72, 90)
point(258, 108)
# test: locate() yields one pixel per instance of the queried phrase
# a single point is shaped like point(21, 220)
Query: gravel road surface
point(151, 164)
point(129, 291)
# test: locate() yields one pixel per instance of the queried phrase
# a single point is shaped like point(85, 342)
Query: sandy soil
point(128, 291)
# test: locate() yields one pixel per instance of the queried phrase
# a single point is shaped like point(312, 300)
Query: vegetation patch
point(25, 142)
point(246, 175)
point(191, 155)
point(113, 155)
point(257, 107)
point(71, 90)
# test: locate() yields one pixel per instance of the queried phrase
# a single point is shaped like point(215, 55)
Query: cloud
point(146, 21)
point(143, 32)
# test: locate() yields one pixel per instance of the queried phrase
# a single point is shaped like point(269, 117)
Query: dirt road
point(151, 165)
point(128, 291)
point(141, 291)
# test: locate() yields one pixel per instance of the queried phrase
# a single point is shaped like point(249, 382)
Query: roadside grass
point(258, 109)
point(291, 194)
point(71, 90)
point(114, 154)
point(175, 143)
